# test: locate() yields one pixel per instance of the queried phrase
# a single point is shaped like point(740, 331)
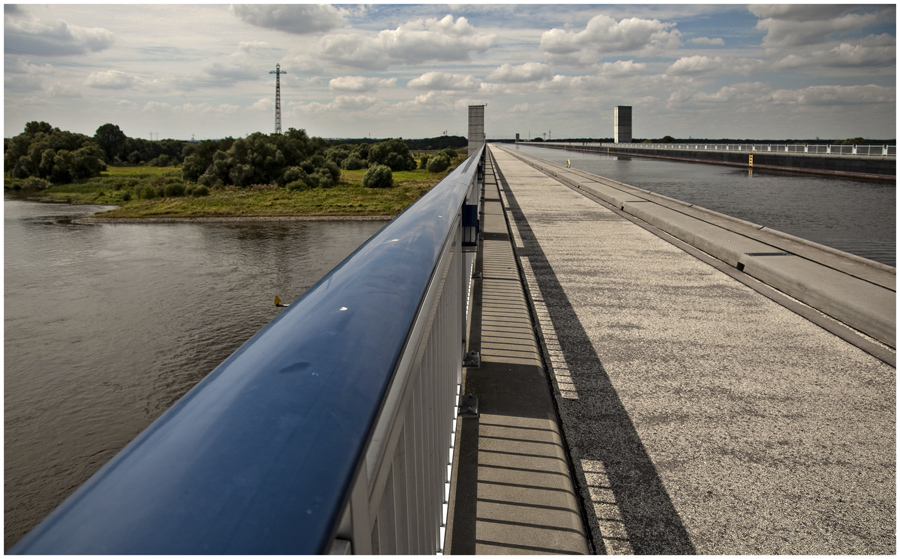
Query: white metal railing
point(398, 504)
point(814, 149)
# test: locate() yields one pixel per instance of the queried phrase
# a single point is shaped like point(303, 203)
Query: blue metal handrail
point(260, 456)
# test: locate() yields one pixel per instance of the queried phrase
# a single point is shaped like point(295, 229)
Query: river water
point(106, 326)
point(855, 216)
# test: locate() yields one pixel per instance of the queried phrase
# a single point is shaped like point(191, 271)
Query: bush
point(34, 183)
point(174, 189)
point(147, 193)
point(353, 162)
point(438, 163)
point(379, 176)
point(324, 178)
point(393, 153)
point(423, 164)
point(161, 161)
point(201, 191)
point(450, 153)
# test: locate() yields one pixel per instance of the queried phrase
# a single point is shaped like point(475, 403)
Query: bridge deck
point(699, 415)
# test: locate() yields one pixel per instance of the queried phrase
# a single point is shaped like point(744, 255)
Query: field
point(121, 186)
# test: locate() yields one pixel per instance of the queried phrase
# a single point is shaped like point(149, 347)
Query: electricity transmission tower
point(278, 71)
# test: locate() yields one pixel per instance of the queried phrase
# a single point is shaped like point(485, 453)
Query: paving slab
point(700, 416)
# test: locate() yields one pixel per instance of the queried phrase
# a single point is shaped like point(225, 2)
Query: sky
point(201, 71)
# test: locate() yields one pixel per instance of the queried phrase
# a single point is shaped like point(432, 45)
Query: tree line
point(292, 160)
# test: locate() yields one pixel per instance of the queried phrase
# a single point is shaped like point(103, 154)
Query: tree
point(112, 141)
point(33, 127)
point(378, 176)
point(394, 153)
point(438, 163)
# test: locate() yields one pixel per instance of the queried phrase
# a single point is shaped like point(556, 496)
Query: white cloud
point(804, 25)
point(603, 35)
point(110, 79)
point(707, 41)
point(799, 12)
point(299, 19)
point(265, 104)
point(359, 84)
point(444, 81)
point(874, 51)
point(696, 65)
point(836, 95)
point(344, 105)
point(253, 47)
point(63, 91)
point(527, 108)
point(418, 41)
point(54, 38)
point(521, 73)
point(759, 96)
point(621, 68)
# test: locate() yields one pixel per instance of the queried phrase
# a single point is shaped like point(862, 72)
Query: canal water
point(106, 326)
point(855, 216)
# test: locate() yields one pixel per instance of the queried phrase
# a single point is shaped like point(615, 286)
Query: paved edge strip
point(854, 291)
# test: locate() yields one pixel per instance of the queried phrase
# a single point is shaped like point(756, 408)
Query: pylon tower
point(278, 71)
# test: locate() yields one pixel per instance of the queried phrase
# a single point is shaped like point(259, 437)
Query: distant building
point(622, 124)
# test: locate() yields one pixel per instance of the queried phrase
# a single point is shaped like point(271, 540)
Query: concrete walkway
point(512, 490)
point(700, 416)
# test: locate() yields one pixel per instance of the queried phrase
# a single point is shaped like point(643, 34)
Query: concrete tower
point(622, 124)
point(476, 127)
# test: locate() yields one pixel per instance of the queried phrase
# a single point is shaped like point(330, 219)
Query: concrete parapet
point(871, 167)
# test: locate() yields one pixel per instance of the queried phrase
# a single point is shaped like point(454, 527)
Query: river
point(106, 326)
point(852, 215)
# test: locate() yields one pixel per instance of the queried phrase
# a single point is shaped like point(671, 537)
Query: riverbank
point(99, 218)
point(347, 200)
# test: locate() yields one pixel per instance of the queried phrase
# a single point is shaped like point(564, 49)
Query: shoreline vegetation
point(257, 176)
point(346, 200)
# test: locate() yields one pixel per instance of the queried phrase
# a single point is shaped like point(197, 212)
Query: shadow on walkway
point(627, 506)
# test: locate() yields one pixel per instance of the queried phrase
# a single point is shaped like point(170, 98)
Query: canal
point(855, 216)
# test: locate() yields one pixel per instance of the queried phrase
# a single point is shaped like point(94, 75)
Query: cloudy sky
point(410, 70)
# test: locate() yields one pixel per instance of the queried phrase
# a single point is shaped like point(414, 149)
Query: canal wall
point(857, 166)
point(858, 292)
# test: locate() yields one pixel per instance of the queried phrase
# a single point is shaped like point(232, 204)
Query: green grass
point(348, 198)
